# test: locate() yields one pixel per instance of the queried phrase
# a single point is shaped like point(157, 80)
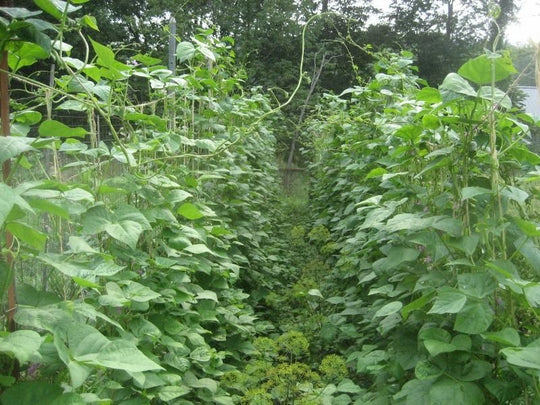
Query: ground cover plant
point(149, 255)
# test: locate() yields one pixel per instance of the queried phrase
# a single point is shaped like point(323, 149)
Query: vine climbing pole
point(6, 170)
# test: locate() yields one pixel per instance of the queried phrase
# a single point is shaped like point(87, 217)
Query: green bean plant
point(134, 228)
point(431, 197)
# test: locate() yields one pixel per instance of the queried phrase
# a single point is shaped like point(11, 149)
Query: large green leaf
point(120, 355)
point(389, 309)
point(454, 86)
point(528, 357)
point(447, 391)
point(137, 292)
point(185, 51)
point(21, 344)
point(448, 301)
point(88, 270)
point(56, 8)
point(105, 54)
point(19, 12)
point(32, 393)
point(532, 293)
point(435, 347)
point(474, 317)
point(426, 370)
point(190, 211)
point(395, 256)
point(10, 198)
point(13, 146)
point(27, 234)
point(124, 224)
point(480, 69)
point(506, 337)
point(495, 96)
point(477, 285)
point(57, 129)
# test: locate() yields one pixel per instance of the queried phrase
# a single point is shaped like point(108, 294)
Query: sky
point(525, 29)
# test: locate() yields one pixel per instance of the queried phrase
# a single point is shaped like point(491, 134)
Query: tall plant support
point(6, 170)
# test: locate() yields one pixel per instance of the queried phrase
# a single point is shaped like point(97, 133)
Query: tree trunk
point(324, 7)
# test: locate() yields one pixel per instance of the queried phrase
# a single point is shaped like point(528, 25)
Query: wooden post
point(6, 170)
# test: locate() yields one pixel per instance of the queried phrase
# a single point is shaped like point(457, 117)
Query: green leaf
point(528, 357)
point(142, 328)
point(474, 318)
point(389, 309)
point(27, 54)
point(119, 355)
point(479, 70)
point(185, 51)
point(197, 249)
point(176, 196)
point(530, 252)
point(477, 285)
point(200, 354)
point(426, 370)
point(429, 95)
point(29, 296)
point(348, 386)
point(315, 293)
point(32, 393)
point(416, 304)
point(21, 344)
point(528, 228)
point(377, 172)
point(207, 295)
point(467, 244)
point(410, 222)
point(475, 370)
point(29, 117)
point(170, 392)
point(13, 146)
point(31, 236)
point(439, 334)
point(416, 392)
point(138, 292)
point(190, 211)
point(206, 383)
point(105, 55)
point(515, 194)
point(454, 86)
point(448, 301)
point(451, 226)
point(9, 199)
point(447, 391)
point(207, 52)
point(471, 192)
point(89, 21)
point(124, 224)
point(85, 270)
point(435, 347)
point(495, 96)
point(19, 12)
point(153, 120)
point(49, 207)
point(532, 293)
point(56, 8)
point(506, 336)
point(396, 255)
point(57, 129)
